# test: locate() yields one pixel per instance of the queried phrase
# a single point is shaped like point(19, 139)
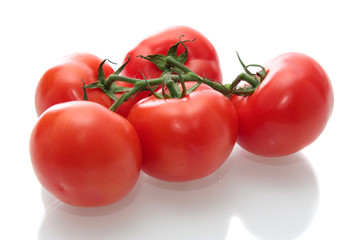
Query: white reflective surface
point(267, 197)
point(309, 195)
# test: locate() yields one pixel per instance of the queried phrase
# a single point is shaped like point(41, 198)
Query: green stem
point(172, 89)
point(243, 91)
point(113, 78)
point(170, 79)
point(172, 61)
point(137, 87)
point(191, 76)
point(249, 79)
point(244, 77)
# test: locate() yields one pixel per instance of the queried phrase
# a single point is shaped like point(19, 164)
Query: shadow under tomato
point(274, 198)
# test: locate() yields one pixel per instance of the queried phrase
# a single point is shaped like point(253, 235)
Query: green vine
point(174, 73)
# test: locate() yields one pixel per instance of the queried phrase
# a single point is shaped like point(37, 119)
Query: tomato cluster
point(165, 111)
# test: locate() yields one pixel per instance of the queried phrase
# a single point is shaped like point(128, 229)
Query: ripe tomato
point(289, 109)
point(85, 154)
point(187, 138)
point(202, 57)
point(63, 83)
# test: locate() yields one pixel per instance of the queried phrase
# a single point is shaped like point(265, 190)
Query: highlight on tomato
point(85, 154)
point(289, 108)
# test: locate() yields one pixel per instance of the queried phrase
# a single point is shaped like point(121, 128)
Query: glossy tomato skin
point(85, 154)
point(290, 108)
point(202, 56)
point(185, 139)
point(63, 83)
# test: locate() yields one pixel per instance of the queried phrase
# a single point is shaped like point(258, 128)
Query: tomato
point(288, 110)
point(202, 56)
point(85, 154)
point(63, 83)
point(185, 139)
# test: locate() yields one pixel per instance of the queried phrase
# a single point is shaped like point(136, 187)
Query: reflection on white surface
point(275, 198)
point(272, 198)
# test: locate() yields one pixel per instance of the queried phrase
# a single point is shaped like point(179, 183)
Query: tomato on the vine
point(202, 56)
point(185, 139)
point(64, 81)
point(288, 110)
point(85, 154)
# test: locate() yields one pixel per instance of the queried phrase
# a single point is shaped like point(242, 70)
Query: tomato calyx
point(108, 87)
point(160, 60)
point(253, 80)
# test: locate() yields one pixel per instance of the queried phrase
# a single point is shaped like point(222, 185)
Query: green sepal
point(152, 90)
point(193, 88)
point(119, 70)
point(85, 97)
point(174, 89)
point(94, 85)
point(111, 90)
point(115, 89)
point(173, 51)
point(101, 73)
point(160, 60)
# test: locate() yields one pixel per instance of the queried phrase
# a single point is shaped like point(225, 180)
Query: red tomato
point(85, 154)
point(289, 109)
point(63, 83)
point(187, 138)
point(202, 57)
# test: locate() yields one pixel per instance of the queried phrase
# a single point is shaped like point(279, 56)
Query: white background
point(309, 195)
